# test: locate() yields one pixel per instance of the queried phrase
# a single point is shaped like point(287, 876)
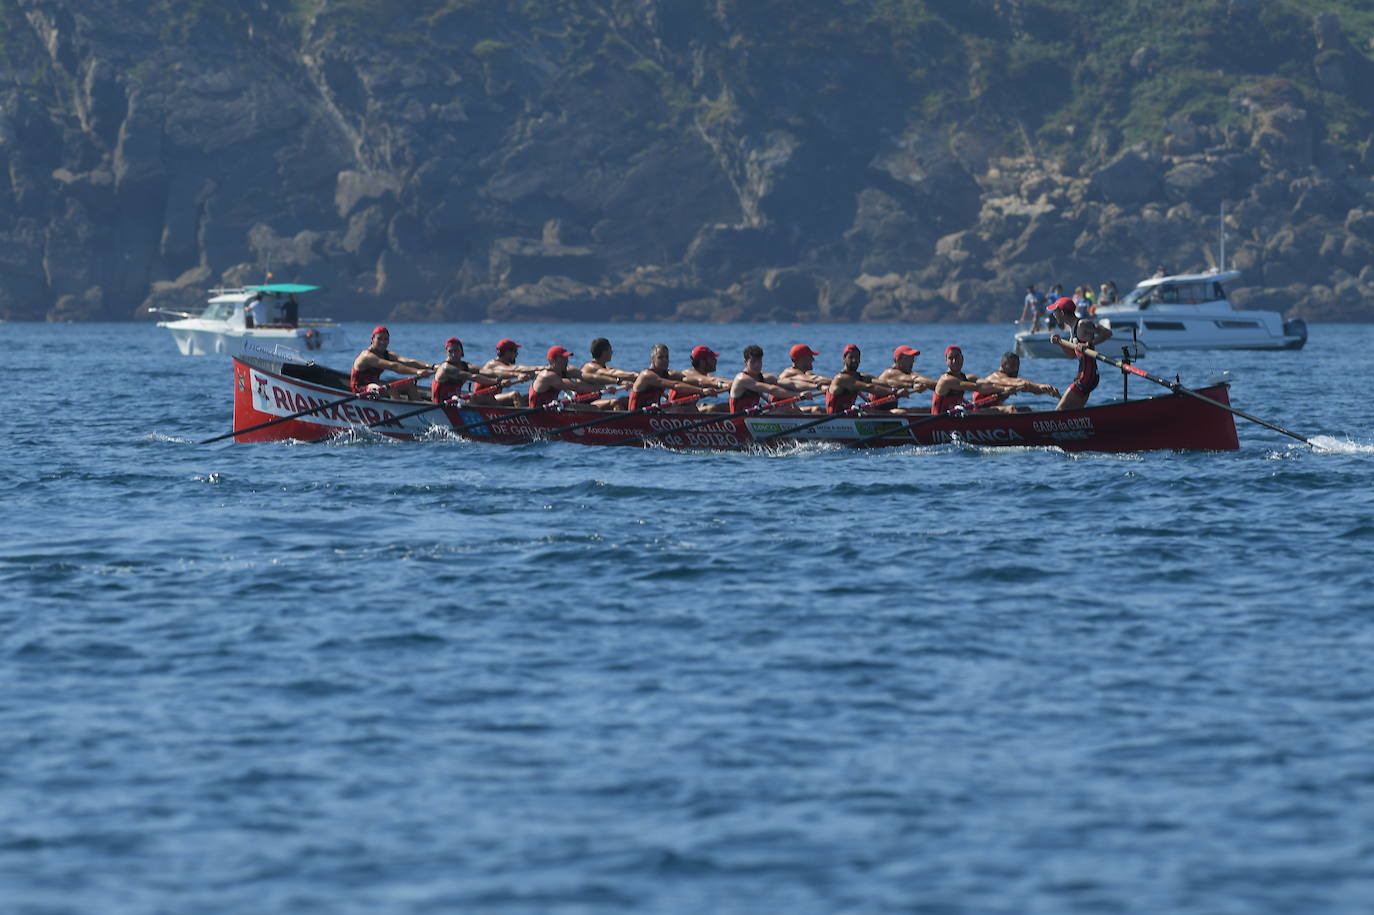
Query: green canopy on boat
point(282, 288)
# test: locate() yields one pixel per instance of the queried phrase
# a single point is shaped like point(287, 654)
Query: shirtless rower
point(751, 385)
point(803, 358)
point(556, 377)
point(902, 374)
point(953, 384)
point(651, 384)
point(453, 373)
point(504, 366)
point(1085, 333)
point(1009, 373)
point(849, 383)
point(703, 364)
point(371, 362)
point(598, 369)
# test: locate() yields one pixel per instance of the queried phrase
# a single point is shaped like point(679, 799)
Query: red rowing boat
point(266, 390)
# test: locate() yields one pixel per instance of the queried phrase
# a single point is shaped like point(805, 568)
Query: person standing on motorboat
point(1034, 304)
point(250, 312)
point(1086, 334)
point(1108, 295)
point(371, 362)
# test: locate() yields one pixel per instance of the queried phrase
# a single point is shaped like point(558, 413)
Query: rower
point(953, 384)
point(703, 364)
point(598, 369)
point(803, 357)
point(453, 373)
point(371, 362)
point(751, 386)
point(504, 366)
point(1086, 333)
point(651, 384)
point(901, 374)
point(846, 386)
point(556, 377)
point(1009, 373)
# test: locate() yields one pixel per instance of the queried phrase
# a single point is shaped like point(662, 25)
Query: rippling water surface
point(370, 676)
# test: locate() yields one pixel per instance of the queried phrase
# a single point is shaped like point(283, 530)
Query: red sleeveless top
point(361, 378)
point(838, 403)
point(642, 399)
point(944, 404)
point(540, 398)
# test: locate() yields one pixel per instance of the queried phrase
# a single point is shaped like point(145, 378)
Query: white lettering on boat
point(1078, 423)
point(979, 436)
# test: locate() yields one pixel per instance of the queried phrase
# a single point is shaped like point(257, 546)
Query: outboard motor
point(1296, 328)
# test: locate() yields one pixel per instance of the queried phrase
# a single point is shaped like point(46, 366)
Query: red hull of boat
point(262, 393)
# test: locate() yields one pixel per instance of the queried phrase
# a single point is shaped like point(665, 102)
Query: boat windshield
point(218, 311)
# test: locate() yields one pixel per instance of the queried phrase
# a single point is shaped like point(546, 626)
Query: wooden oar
point(591, 395)
point(612, 416)
point(1178, 388)
point(756, 410)
point(319, 409)
point(851, 413)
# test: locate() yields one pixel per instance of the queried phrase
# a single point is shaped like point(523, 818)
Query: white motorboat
point(265, 315)
point(1186, 311)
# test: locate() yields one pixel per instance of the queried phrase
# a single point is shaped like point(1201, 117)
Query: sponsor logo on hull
point(275, 400)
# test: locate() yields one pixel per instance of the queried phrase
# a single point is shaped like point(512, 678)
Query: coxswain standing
point(651, 384)
point(504, 366)
point(749, 388)
point(453, 373)
point(953, 384)
point(902, 374)
point(555, 377)
point(1085, 336)
point(371, 362)
point(849, 383)
point(1009, 374)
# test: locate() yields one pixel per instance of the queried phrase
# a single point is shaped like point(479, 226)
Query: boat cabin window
point(1118, 324)
point(1237, 324)
point(218, 311)
point(1176, 294)
point(1164, 325)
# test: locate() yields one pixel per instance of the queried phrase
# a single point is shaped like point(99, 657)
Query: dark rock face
point(664, 160)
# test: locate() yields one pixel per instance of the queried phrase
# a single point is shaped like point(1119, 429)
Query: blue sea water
point(371, 676)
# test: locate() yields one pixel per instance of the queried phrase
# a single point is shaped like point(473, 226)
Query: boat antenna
point(1222, 230)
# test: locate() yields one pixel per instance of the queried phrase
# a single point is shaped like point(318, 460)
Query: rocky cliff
point(679, 159)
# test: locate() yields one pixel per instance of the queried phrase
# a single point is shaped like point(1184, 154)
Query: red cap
point(904, 350)
point(556, 351)
point(380, 329)
point(506, 343)
point(850, 348)
point(701, 352)
point(800, 350)
point(953, 348)
point(1062, 304)
point(452, 340)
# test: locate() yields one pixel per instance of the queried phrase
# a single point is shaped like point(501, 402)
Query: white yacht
point(1187, 311)
point(236, 317)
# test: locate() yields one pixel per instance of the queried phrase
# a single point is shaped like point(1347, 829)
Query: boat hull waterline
point(263, 393)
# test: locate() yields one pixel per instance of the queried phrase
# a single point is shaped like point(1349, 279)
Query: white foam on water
point(1329, 444)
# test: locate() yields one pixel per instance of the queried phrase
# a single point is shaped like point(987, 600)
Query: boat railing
point(277, 351)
